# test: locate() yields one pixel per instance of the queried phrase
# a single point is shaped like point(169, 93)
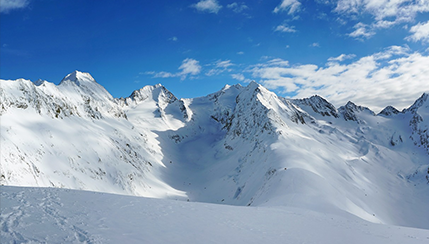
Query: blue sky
point(373, 52)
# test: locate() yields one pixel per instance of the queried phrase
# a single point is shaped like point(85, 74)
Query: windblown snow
point(280, 161)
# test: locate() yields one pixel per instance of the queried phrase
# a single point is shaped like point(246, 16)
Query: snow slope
point(48, 215)
point(241, 146)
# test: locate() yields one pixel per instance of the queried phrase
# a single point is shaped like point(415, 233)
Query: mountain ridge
point(240, 146)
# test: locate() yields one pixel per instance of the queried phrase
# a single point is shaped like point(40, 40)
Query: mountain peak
point(253, 84)
point(389, 110)
point(156, 92)
point(86, 83)
point(419, 102)
point(319, 105)
point(79, 77)
point(356, 108)
point(350, 111)
point(39, 82)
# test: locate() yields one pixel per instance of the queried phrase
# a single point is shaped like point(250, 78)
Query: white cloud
point(211, 6)
point(189, 66)
point(278, 62)
point(174, 39)
point(383, 24)
point(315, 44)
point(392, 51)
point(420, 33)
point(398, 10)
point(239, 77)
point(224, 64)
point(341, 58)
point(386, 13)
point(7, 5)
point(292, 5)
point(375, 81)
point(383, 14)
point(361, 31)
point(220, 67)
point(285, 28)
point(162, 74)
point(236, 7)
point(240, 53)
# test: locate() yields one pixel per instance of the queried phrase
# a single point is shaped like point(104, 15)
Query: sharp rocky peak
point(350, 106)
point(319, 105)
point(156, 92)
point(423, 99)
point(254, 88)
point(389, 110)
point(350, 110)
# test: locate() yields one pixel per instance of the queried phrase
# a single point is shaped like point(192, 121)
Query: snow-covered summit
point(79, 78)
point(388, 111)
point(422, 101)
point(319, 105)
point(84, 84)
point(350, 111)
point(157, 93)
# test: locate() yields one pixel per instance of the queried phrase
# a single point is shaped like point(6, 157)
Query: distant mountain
point(240, 146)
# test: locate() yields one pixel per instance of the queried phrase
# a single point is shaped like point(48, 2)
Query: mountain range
point(242, 146)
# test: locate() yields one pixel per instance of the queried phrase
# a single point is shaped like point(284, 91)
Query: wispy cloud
point(239, 77)
point(361, 31)
point(189, 67)
point(237, 7)
point(8, 5)
point(285, 28)
point(291, 5)
point(174, 39)
point(211, 6)
point(315, 44)
point(220, 67)
point(341, 58)
point(420, 32)
point(375, 81)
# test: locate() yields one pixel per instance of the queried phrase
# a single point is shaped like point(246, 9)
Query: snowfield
point(52, 215)
point(240, 165)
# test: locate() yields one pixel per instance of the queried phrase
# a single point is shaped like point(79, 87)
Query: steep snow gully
point(239, 146)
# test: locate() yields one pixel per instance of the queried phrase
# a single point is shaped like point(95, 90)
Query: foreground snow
point(52, 215)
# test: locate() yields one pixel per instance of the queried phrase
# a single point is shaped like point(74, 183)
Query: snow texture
point(48, 215)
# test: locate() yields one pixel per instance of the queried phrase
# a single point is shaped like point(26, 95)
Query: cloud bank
point(395, 76)
point(8, 5)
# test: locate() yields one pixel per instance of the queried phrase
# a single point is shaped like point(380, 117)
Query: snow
point(52, 215)
point(233, 154)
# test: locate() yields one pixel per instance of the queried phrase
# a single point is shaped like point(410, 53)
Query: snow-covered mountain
point(240, 146)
